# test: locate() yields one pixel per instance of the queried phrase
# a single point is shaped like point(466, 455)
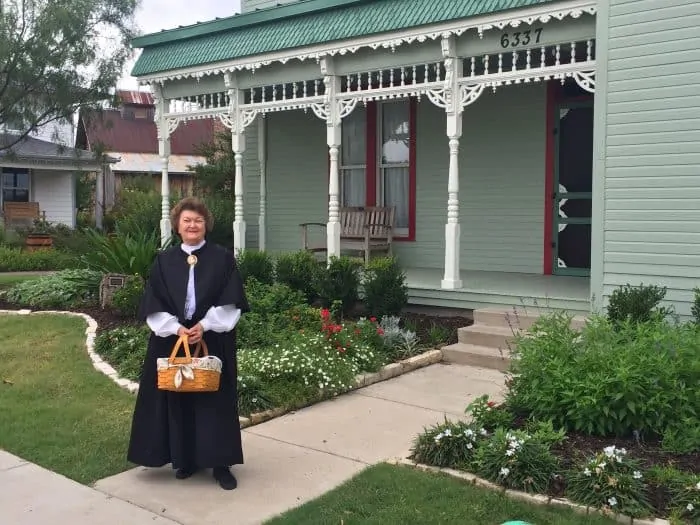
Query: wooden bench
point(362, 229)
point(21, 214)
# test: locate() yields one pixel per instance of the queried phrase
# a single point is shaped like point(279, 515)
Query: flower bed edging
point(361, 380)
point(538, 499)
point(389, 371)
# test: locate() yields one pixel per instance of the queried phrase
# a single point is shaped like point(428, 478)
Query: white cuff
point(221, 318)
point(163, 324)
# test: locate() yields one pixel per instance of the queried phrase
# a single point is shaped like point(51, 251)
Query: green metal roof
point(299, 24)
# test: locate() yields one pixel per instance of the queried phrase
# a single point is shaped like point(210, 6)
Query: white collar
point(189, 249)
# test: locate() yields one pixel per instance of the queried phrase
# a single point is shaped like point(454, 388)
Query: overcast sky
point(154, 15)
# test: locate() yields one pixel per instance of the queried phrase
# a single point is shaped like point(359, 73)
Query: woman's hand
point(182, 332)
point(196, 333)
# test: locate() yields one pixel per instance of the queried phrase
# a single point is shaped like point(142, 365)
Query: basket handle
point(201, 346)
point(182, 341)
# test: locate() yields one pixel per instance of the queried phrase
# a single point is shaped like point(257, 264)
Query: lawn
point(9, 279)
point(386, 494)
point(55, 409)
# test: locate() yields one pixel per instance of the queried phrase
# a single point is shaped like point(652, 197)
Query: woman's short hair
point(191, 204)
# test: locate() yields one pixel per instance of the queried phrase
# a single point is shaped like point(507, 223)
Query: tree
point(216, 177)
point(58, 56)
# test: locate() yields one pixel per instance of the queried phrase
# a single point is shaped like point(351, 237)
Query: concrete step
point(517, 318)
point(476, 355)
point(486, 335)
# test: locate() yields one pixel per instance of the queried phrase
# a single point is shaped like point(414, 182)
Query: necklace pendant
point(192, 260)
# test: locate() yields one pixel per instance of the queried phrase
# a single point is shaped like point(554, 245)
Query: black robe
point(189, 429)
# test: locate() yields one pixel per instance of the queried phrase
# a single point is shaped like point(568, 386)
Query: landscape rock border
point(538, 499)
point(389, 371)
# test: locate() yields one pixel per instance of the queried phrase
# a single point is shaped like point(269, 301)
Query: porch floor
point(484, 289)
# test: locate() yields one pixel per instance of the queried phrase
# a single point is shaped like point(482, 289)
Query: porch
point(488, 289)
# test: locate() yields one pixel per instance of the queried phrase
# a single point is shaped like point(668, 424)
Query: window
point(377, 163)
point(15, 185)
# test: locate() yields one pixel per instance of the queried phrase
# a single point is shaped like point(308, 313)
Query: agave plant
point(124, 253)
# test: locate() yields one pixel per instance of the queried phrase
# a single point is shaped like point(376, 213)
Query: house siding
point(502, 177)
point(651, 166)
point(55, 193)
point(251, 186)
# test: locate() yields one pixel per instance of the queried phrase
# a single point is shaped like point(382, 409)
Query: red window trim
point(373, 166)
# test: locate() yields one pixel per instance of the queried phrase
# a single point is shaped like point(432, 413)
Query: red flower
point(325, 314)
point(380, 331)
point(373, 319)
point(491, 404)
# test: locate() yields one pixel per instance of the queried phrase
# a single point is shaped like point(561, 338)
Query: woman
point(195, 290)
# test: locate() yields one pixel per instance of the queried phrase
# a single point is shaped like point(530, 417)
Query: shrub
point(448, 444)
point(64, 289)
point(137, 209)
point(636, 304)
point(124, 348)
point(357, 341)
point(685, 503)
point(300, 271)
point(695, 308)
point(257, 264)
point(223, 211)
point(488, 414)
point(400, 343)
point(130, 253)
point(125, 301)
point(17, 260)
point(252, 396)
point(385, 290)
point(340, 282)
point(608, 379)
point(517, 460)
point(682, 437)
point(610, 481)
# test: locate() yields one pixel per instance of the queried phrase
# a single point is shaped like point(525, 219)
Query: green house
point(522, 151)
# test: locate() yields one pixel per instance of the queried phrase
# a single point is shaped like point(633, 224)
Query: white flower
point(690, 507)
point(637, 475)
point(587, 472)
point(612, 501)
point(698, 485)
point(448, 432)
point(510, 452)
point(470, 446)
point(505, 471)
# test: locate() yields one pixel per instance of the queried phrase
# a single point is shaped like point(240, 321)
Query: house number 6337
point(521, 38)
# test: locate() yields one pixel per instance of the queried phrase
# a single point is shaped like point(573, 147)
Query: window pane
point(396, 181)
point(15, 195)
point(354, 142)
point(395, 132)
point(354, 187)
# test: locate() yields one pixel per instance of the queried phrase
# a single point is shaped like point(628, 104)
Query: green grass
point(386, 494)
point(56, 410)
point(8, 280)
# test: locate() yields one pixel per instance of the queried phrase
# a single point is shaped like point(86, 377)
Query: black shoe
point(225, 478)
point(184, 473)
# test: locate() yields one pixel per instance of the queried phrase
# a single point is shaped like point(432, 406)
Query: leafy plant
point(448, 444)
point(252, 396)
point(610, 481)
point(126, 299)
point(385, 289)
point(257, 264)
point(300, 271)
point(124, 348)
point(518, 460)
point(636, 303)
point(682, 437)
point(17, 260)
point(129, 254)
point(685, 503)
point(695, 308)
point(64, 289)
point(489, 414)
point(400, 343)
point(608, 379)
point(340, 282)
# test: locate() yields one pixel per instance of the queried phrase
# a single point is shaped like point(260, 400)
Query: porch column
point(333, 138)
point(163, 128)
point(453, 66)
point(262, 160)
point(236, 123)
point(239, 226)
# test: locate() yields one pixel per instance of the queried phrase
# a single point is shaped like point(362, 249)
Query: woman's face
point(192, 227)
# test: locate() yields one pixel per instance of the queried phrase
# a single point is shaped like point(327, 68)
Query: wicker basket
point(189, 373)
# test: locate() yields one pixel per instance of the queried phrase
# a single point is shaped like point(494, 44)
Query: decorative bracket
point(585, 80)
point(239, 120)
point(469, 94)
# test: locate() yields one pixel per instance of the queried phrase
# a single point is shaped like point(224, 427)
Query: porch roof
point(299, 24)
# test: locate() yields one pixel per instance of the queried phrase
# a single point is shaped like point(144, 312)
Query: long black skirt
point(187, 429)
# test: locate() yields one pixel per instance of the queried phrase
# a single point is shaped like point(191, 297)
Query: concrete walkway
point(289, 460)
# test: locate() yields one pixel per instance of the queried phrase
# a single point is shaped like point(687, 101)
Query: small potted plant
point(39, 236)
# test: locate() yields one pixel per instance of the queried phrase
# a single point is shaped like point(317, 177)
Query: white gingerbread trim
point(540, 13)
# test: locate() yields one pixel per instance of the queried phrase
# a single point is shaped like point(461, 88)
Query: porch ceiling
point(252, 34)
